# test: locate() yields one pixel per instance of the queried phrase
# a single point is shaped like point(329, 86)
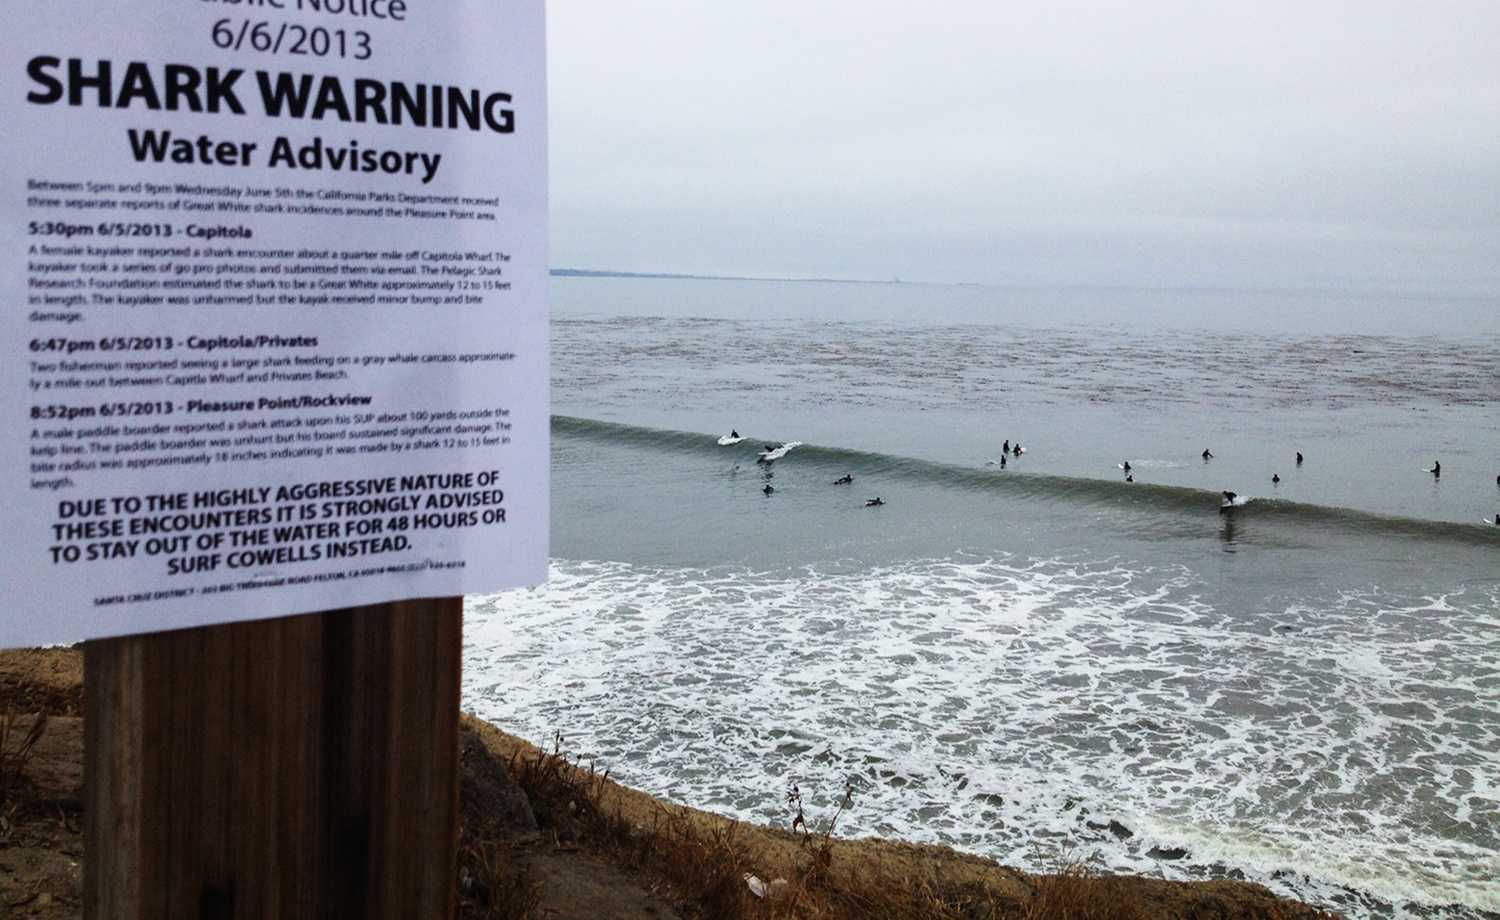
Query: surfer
point(1129, 478)
point(1275, 479)
point(1207, 454)
point(1299, 458)
point(872, 502)
point(1437, 469)
point(1018, 449)
point(1227, 505)
point(843, 480)
point(769, 489)
point(1005, 448)
point(1002, 466)
point(1126, 467)
point(733, 433)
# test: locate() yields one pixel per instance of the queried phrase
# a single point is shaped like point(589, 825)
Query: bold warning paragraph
point(259, 528)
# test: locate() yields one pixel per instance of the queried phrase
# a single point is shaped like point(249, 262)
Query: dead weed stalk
point(494, 885)
point(16, 749)
point(1078, 892)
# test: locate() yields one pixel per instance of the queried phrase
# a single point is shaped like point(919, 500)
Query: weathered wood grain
point(297, 767)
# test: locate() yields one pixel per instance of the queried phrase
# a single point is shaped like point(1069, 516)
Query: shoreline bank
point(544, 835)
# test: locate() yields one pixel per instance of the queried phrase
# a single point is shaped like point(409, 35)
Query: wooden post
point(298, 767)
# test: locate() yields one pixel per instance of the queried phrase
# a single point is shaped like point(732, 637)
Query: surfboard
point(770, 455)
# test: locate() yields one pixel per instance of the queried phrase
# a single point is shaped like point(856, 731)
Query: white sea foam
point(1002, 704)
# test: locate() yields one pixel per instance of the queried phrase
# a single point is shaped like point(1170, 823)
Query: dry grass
point(704, 866)
point(702, 861)
point(495, 885)
point(1077, 892)
point(15, 750)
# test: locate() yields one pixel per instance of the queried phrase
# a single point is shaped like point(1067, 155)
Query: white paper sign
point(274, 275)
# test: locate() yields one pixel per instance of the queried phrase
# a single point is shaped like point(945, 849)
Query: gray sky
point(1266, 144)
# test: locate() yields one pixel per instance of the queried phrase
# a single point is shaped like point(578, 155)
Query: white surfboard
point(771, 455)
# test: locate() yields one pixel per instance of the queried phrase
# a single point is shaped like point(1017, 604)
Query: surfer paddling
point(873, 502)
point(843, 480)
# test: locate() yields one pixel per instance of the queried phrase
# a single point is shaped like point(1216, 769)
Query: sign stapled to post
point(274, 279)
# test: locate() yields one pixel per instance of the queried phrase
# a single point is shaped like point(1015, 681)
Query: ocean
point(1044, 661)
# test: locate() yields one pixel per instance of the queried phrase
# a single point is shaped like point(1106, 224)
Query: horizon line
point(564, 272)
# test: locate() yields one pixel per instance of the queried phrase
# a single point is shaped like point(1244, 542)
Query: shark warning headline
point(310, 97)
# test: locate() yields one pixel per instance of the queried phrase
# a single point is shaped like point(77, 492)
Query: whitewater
point(1043, 661)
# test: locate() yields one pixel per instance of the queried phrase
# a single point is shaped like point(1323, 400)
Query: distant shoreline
point(675, 276)
point(1417, 296)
